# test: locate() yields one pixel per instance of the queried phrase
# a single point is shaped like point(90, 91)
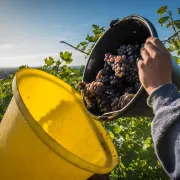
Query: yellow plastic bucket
point(47, 134)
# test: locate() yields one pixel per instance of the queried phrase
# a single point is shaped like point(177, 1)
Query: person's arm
point(155, 71)
point(165, 102)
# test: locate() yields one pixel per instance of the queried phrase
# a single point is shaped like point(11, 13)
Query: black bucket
point(125, 31)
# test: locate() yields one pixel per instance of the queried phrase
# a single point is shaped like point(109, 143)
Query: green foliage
point(131, 136)
point(49, 61)
point(5, 94)
point(60, 69)
point(174, 40)
point(177, 24)
point(177, 59)
point(174, 45)
point(168, 24)
point(90, 40)
point(66, 56)
point(22, 67)
point(162, 20)
point(162, 10)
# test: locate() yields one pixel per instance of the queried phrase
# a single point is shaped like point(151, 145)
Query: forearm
point(165, 102)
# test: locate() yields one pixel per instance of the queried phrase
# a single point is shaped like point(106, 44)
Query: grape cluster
point(116, 83)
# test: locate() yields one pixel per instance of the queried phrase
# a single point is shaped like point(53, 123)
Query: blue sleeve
point(165, 128)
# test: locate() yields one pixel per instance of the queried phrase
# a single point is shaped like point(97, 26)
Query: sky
point(30, 30)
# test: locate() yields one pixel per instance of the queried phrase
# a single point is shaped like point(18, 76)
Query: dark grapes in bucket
point(116, 83)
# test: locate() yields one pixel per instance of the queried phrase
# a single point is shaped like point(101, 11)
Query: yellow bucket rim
point(53, 144)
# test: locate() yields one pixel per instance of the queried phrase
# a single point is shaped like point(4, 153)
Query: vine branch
point(172, 20)
point(177, 32)
point(73, 47)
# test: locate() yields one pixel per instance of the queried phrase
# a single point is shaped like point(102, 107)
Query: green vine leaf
point(169, 24)
point(66, 56)
point(91, 38)
point(95, 26)
point(22, 67)
point(58, 62)
point(177, 23)
point(177, 59)
point(117, 129)
point(83, 48)
point(127, 137)
point(171, 48)
point(164, 19)
point(78, 46)
point(83, 43)
point(111, 135)
point(174, 44)
point(162, 10)
point(96, 31)
point(49, 61)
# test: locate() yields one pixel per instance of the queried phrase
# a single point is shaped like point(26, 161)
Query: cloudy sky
point(30, 30)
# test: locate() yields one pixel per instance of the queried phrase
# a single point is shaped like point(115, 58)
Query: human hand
point(155, 68)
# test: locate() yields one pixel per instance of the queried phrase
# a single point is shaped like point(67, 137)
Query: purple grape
point(116, 83)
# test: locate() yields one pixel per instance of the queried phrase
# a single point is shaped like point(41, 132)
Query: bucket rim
point(51, 143)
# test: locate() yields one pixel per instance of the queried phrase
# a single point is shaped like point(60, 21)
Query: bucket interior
point(130, 31)
point(59, 110)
